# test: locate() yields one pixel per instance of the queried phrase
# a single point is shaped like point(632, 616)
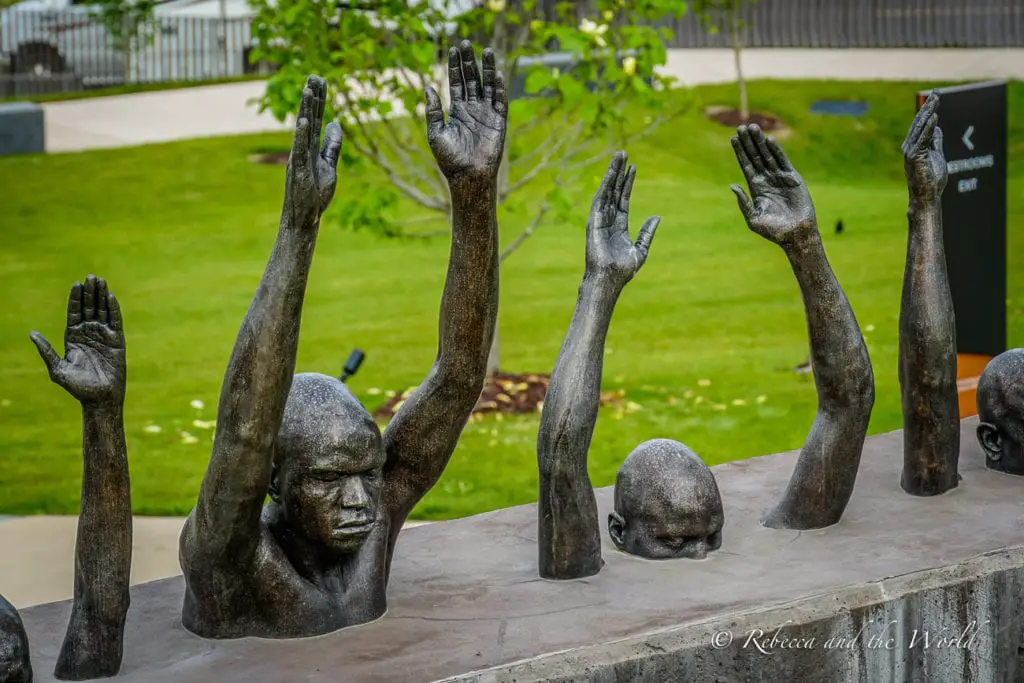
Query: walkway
point(39, 563)
point(144, 118)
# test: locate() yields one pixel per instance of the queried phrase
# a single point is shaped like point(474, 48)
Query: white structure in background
point(192, 40)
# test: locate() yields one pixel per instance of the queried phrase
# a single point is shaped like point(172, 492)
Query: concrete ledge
point(466, 603)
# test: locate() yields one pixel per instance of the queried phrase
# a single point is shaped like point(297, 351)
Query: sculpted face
point(1001, 412)
point(667, 504)
point(328, 460)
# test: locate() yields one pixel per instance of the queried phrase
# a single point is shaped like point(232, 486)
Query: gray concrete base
point(466, 603)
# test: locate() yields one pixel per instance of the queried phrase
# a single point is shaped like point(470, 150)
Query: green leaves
point(378, 61)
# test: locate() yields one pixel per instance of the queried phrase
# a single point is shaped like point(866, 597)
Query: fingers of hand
point(434, 112)
point(75, 305)
point(456, 87)
point(46, 352)
point(620, 180)
point(627, 188)
point(332, 144)
point(921, 121)
point(746, 206)
point(500, 94)
point(315, 85)
point(115, 312)
point(300, 143)
point(780, 157)
point(490, 75)
point(750, 147)
point(770, 163)
point(607, 186)
point(470, 72)
point(102, 311)
point(646, 236)
point(741, 156)
point(89, 299)
point(937, 140)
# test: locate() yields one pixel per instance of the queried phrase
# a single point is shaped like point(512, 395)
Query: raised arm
point(468, 146)
point(93, 370)
point(927, 365)
point(224, 524)
point(781, 211)
point(568, 532)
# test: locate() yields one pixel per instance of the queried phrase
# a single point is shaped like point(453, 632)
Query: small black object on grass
point(355, 359)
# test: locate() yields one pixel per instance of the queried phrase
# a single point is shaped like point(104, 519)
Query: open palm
point(472, 140)
point(779, 207)
point(93, 368)
point(311, 177)
point(610, 250)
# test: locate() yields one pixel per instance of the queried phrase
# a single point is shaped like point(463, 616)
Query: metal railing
point(69, 50)
point(868, 24)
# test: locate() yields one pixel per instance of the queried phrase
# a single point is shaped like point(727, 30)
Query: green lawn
point(182, 232)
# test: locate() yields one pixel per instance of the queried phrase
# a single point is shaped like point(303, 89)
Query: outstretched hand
point(471, 141)
point(610, 251)
point(779, 207)
point(312, 170)
point(923, 159)
point(93, 368)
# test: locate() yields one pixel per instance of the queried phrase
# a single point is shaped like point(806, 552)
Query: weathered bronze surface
point(316, 558)
point(927, 365)
point(667, 504)
point(569, 532)
point(93, 370)
point(781, 211)
point(1001, 412)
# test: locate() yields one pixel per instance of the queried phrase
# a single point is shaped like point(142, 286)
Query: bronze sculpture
point(667, 504)
point(781, 211)
point(317, 557)
point(927, 364)
point(93, 370)
point(15, 662)
point(1000, 400)
point(569, 534)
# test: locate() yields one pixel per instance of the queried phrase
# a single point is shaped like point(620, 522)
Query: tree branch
point(525, 234)
point(545, 161)
point(381, 159)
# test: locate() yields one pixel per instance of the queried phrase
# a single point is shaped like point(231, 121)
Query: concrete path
point(126, 120)
point(38, 565)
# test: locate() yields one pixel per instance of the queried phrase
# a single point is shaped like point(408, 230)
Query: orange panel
point(969, 367)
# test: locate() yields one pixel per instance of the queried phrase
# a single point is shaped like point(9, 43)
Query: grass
point(182, 232)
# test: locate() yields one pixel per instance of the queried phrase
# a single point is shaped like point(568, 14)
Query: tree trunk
point(736, 38)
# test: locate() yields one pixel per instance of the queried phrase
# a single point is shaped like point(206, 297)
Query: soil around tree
point(270, 158)
point(727, 116)
point(503, 393)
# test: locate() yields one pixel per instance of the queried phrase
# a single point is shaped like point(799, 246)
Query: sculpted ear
point(616, 528)
point(991, 441)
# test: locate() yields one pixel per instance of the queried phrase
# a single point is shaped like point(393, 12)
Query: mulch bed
point(271, 158)
point(506, 393)
point(732, 118)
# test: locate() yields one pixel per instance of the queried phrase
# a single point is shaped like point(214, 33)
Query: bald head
point(328, 458)
point(1001, 412)
point(15, 665)
point(667, 503)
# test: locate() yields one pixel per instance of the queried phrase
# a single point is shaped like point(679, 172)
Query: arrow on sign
point(967, 138)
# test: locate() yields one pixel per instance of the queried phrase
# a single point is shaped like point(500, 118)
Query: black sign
point(973, 122)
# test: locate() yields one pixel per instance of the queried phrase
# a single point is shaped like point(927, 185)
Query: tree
point(583, 71)
point(130, 25)
point(727, 16)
